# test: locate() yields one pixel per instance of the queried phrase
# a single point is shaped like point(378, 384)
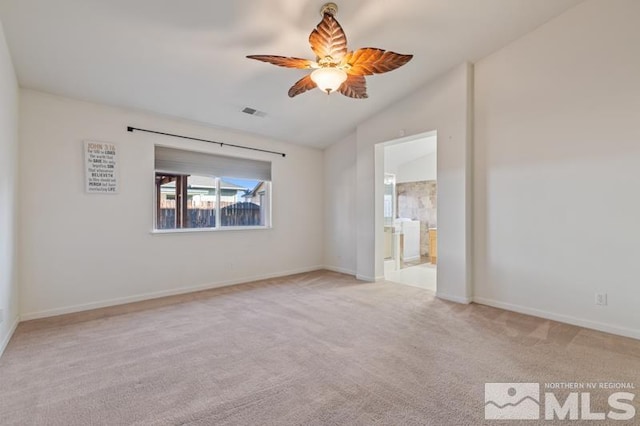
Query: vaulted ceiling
point(187, 58)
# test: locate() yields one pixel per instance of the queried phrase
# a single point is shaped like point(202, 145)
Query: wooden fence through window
point(232, 214)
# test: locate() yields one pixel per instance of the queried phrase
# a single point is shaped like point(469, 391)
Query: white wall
point(340, 208)
point(420, 169)
point(442, 105)
point(557, 169)
point(81, 250)
point(8, 194)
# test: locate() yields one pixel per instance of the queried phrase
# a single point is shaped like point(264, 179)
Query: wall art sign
point(101, 162)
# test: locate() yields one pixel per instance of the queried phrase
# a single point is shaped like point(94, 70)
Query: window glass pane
point(198, 201)
point(243, 202)
point(166, 203)
point(201, 202)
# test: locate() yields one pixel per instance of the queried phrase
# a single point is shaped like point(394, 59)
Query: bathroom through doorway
point(410, 212)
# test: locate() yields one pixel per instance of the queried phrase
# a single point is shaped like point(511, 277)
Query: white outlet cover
point(601, 299)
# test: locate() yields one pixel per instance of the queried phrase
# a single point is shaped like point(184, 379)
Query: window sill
point(197, 230)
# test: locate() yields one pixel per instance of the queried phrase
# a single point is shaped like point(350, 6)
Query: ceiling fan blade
point(369, 61)
point(284, 61)
point(328, 39)
point(354, 87)
point(301, 86)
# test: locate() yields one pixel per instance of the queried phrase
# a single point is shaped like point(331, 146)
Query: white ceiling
point(187, 58)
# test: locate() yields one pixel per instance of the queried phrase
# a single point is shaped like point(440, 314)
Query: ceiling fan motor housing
point(330, 8)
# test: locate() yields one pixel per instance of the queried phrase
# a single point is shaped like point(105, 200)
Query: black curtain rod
point(131, 129)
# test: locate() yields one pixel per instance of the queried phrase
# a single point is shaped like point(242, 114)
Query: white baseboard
point(159, 294)
point(365, 278)
point(340, 270)
point(457, 299)
point(9, 335)
point(580, 322)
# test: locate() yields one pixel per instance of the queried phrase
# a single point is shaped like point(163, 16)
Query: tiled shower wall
point(418, 201)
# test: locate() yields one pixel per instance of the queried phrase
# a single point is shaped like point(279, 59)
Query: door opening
point(410, 212)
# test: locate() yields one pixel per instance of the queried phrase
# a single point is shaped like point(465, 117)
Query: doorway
point(410, 212)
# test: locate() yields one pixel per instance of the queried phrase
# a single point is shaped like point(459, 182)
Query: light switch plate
point(601, 299)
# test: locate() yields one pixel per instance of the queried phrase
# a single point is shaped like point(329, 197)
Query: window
point(197, 190)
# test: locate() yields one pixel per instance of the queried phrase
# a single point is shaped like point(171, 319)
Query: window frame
point(266, 217)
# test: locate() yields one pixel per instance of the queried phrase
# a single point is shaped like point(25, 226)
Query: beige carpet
point(312, 349)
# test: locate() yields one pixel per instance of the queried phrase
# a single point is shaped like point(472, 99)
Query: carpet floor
point(311, 349)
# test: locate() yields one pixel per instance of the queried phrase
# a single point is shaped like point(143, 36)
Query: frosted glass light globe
point(328, 79)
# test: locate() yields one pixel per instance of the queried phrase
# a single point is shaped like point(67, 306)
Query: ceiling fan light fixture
point(328, 79)
point(337, 69)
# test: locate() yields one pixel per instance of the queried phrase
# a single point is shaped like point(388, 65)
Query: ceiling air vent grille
point(253, 111)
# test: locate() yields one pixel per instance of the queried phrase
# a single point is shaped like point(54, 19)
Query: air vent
point(253, 111)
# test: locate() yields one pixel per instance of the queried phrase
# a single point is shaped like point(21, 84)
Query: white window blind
point(178, 161)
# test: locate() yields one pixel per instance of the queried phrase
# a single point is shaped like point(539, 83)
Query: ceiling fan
point(336, 68)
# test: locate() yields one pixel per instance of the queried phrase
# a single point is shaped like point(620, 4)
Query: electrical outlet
point(601, 299)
